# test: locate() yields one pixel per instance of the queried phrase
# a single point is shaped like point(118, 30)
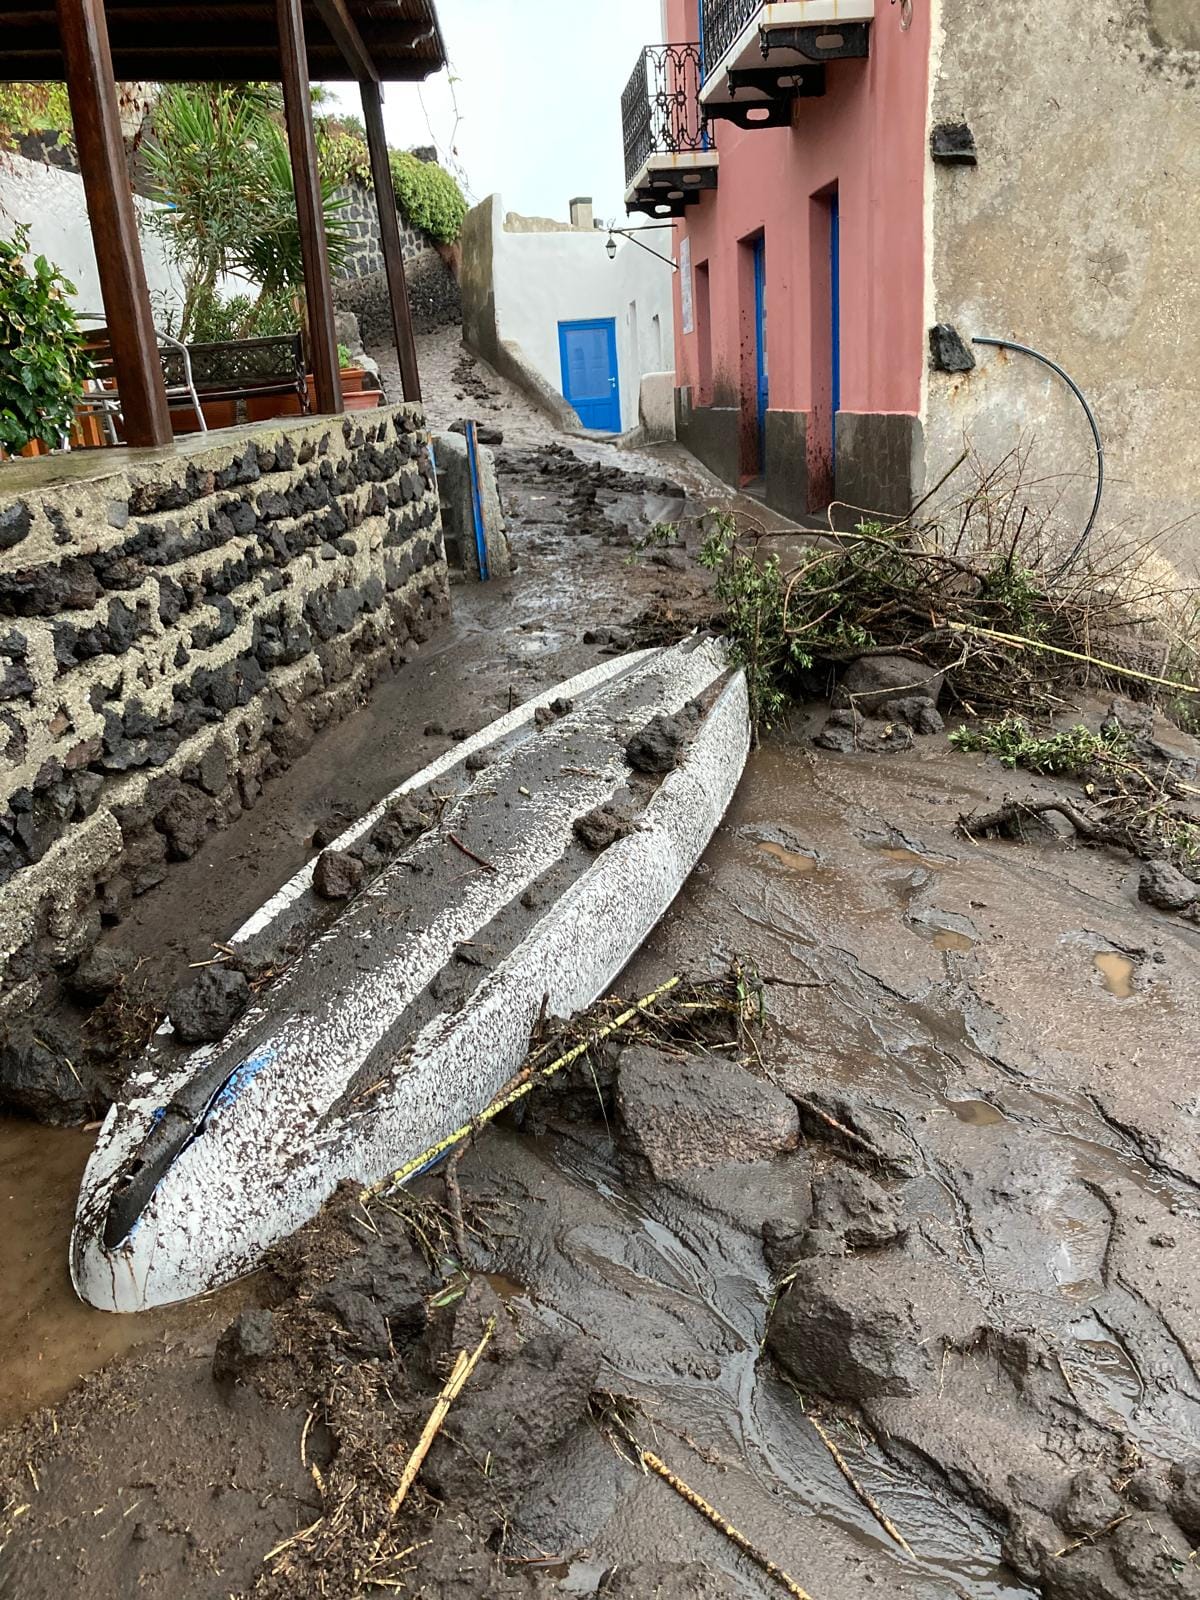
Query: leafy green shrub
point(1069, 751)
point(33, 108)
point(342, 154)
point(428, 196)
point(43, 365)
point(217, 321)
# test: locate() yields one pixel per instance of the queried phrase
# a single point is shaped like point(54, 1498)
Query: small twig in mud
point(864, 1495)
point(1091, 1538)
point(464, 1366)
point(840, 1128)
point(454, 1198)
point(698, 1503)
point(488, 866)
point(795, 983)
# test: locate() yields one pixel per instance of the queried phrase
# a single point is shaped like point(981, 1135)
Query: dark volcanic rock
point(868, 1326)
point(247, 1341)
point(1089, 1504)
point(656, 747)
point(680, 1115)
point(872, 681)
point(38, 1077)
point(915, 711)
point(99, 972)
point(1165, 886)
point(338, 875)
point(364, 1326)
point(602, 827)
point(510, 1426)
point(206, 1007)
point(783, 1241)
point(852, 1212)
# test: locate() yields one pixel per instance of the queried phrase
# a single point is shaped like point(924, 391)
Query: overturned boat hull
point(404, 1015)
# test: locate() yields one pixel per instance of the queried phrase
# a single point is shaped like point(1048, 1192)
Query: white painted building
point(548, 305)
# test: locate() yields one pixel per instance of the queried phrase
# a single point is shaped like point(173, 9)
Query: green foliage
point(43, 366)
point(217, 321)
point(342, 153)
point(345, 359)
point(219, 163)
point(1069, 752)
point(1014, 588)
point(428, 196)
point(33, 108)
point(752, 594)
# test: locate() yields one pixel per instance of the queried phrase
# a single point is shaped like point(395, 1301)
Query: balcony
point(761, 57)
point(669, 159)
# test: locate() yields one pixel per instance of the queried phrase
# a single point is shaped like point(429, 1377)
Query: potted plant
point(354, 396)
point(43, 363)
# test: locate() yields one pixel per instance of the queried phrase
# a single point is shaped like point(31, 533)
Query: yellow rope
point(402, 1175)
point(1019, 642)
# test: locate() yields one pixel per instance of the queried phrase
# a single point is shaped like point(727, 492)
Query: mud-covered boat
point(521, 870)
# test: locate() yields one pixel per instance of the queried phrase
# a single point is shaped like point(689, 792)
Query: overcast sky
point(537, 85)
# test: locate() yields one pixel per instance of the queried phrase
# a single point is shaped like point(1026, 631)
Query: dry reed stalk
point(464, 1366)
point(872, 1505)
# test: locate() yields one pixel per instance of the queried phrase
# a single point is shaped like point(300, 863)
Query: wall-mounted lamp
point(632, 233)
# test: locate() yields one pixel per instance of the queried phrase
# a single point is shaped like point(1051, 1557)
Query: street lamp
point(632, 233)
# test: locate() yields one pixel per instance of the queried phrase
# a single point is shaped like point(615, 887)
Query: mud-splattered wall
point(1075, 233)
point(173, 632)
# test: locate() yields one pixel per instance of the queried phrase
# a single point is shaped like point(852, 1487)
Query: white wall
point(542, 279)
point(52, 202)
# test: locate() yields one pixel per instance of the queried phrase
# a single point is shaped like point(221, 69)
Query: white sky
point(538, 90)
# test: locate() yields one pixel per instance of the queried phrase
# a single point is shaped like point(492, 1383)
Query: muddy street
point(887, 1260)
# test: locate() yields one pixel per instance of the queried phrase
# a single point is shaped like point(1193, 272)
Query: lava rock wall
point(174, 633)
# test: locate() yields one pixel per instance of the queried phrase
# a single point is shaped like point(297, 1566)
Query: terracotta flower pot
point(262, 407)
point(217, 414)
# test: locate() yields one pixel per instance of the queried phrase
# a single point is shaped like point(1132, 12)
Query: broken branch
point(867, 1499)
point(488, 866)
point(464, 1366)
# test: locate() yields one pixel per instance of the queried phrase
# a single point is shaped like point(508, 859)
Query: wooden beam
point(101, 151)
point(389, 230)
point(318, 289)
point(344, 32)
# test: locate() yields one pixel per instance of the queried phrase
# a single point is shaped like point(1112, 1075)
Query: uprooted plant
point(978, 588)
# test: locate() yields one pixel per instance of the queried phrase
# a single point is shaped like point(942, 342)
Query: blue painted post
point(477, 503)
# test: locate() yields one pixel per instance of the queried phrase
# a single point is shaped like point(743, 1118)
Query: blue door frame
point(762, 385)
point(590, 378)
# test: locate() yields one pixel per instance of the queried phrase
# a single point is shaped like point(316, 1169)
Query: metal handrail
point(724, 21)
point(108, 401)
point(660, 108)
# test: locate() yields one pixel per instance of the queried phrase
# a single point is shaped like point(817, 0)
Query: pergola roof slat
point(231, 40)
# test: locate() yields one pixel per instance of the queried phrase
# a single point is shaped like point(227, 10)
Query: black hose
point(1024, 349)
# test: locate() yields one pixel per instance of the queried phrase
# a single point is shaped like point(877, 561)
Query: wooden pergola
point(91, 45)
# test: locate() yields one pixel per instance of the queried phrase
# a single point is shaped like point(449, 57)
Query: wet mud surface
point(954, 1219)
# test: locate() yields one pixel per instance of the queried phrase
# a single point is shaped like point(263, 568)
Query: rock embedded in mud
point(1185, 1496)
point(783, 1242)
point(364, 1328)
point(39, 1077)
point(869, 1326)
point(338, 875)
point(1089, 1504)
point(656, 748)
point(604, 826)
point(866, 737)
point(502, 1432)
point(99, 972)
point(246, 1342)
point(871, 681)
point(917, 712)
point(1164, 886)
point(206, 1007)
point(694, 1113)
point(852, 1212)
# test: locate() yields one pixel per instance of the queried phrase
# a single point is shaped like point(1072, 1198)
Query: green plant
point(32, 108)
point(1069, 752)
point(752, 595)
point(243, 316)
point(342, 153)
point(428, 196)
point(43, 364)
point(345, 359)
point(270, 252)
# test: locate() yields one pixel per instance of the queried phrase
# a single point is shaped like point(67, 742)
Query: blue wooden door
point(763, 385)
point(589, 371)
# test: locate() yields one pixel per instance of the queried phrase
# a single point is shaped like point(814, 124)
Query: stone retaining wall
point(173, 632)
point(364, 253)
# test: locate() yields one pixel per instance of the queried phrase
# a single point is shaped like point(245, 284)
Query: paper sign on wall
point(685, 284)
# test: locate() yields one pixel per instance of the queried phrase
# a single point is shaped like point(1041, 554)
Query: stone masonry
point(174, 628)
point(364, 254)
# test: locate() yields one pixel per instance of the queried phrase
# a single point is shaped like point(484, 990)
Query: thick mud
point(949, 1227)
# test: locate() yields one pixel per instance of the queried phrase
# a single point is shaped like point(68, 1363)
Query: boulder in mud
point(852, 1212)
point(337, 875)
point(783, 1242)
point(511, 1416)
point(656, 748)
point(1164, 886)
point(205, 1007)
point(872, 681)
point(868, 1326)
point(697, 1112)
point(868, 736)
point(1185, 1496)
point(1089, 1504)
point(99, 972)
point(916, 711)
point(246, 1343)
point(39, 1075)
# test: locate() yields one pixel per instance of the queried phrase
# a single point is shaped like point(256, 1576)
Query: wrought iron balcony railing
point(724, 23)
point(660, 109)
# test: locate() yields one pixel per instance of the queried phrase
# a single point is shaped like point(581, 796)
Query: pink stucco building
point(862, 189)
